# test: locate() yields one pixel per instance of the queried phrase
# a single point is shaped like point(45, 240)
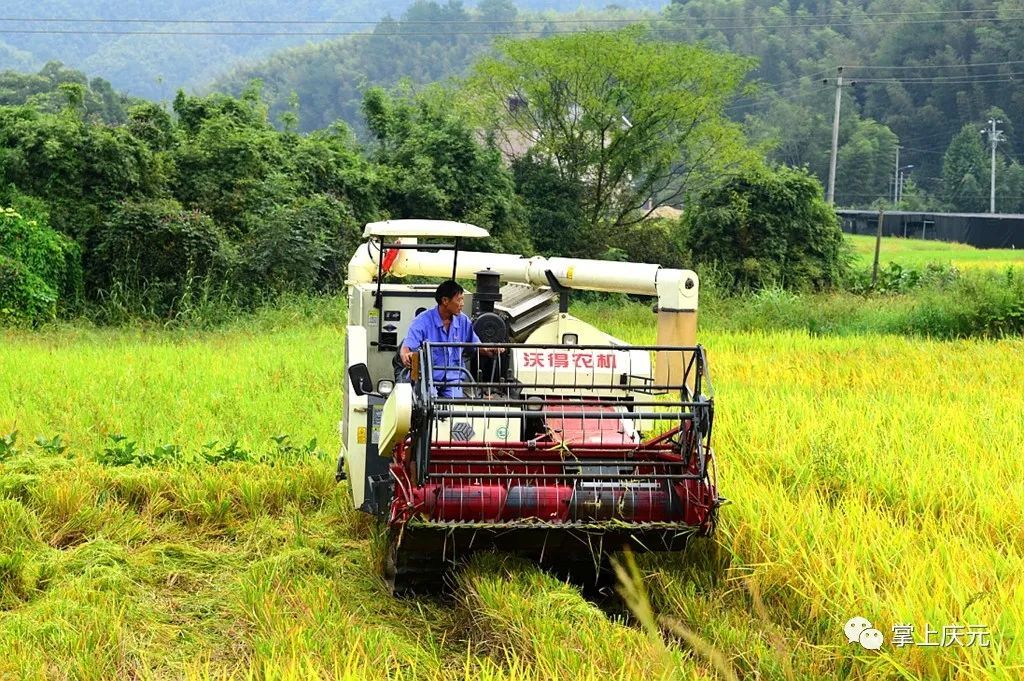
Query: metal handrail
point(695, 407)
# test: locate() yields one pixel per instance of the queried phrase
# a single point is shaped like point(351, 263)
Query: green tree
point(638, 123)
point(912, 198)
point(554, 211)
point(79, 168)
point(214, 198)
point(497, 15)
point(433, 166)
point(228, 158)
point(794, 135)
point(1010, 189)
point(965, 172)
point(865, 162)
point(50, 88)
point(768, 227)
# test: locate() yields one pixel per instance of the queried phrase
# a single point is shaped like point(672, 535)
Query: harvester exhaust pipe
point(488, 291)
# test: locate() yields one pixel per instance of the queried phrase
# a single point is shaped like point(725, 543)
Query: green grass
point(917, 253)
point(169, 387)
point(869, 476)
point(943, 306)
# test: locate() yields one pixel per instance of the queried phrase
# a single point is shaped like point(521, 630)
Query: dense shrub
point(895, 278)
point(303, 246)
point(554, 211)
point(155, 251)
point(660, 241)
point(24, 297)
point(983, 304)
point(768, 227)
point(40, 269)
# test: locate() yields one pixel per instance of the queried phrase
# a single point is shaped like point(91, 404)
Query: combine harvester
point(566, 444)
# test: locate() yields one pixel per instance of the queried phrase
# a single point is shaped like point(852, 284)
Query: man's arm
point(413, 341)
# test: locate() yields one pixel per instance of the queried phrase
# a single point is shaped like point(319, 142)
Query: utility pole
point(831, 195)
point(994, 138)
point(835, 139)
point(896, 179)
point(878, 248)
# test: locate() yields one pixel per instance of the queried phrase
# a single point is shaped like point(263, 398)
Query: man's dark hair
point(447, 289)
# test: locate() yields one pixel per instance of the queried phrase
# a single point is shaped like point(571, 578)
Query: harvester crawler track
point(420, 554)
point(418, 572)
point(409, 571)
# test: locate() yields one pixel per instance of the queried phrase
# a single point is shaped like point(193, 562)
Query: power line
point(937, 66)
point(780, 88)
point(316, 22)
point(762, 98)
point(935, 135)
point(355, 22)
point(965, 196)
point(940, 79)
point(298, 34)
point(792, 80)
point(818, 23)
point(968, 81)
point(835, 20)
point(925, 151)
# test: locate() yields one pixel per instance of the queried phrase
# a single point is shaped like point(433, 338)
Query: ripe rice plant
point(872, 476)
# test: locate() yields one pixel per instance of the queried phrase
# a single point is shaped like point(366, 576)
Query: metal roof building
point(982, 230)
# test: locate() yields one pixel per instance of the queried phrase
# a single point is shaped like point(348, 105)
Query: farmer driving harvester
point(443, 324)
point(564, 449)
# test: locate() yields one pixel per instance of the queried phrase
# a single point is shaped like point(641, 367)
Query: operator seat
point(402, 374)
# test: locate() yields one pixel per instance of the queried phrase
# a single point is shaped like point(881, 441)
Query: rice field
point(872, 476)
point(917, 253)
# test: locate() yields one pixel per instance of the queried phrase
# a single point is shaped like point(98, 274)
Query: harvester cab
point(549, 438)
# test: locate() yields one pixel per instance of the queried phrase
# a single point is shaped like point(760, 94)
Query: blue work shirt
point(428, 326)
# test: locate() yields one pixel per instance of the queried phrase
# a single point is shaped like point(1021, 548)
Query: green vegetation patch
point(919, 253)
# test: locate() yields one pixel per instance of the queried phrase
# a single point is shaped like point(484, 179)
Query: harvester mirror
point(359, 374)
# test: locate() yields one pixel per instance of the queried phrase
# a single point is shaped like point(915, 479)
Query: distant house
point(667, 212)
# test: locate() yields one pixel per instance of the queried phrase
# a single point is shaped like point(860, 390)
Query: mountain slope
point(134, 59)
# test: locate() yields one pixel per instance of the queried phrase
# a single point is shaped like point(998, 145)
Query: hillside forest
point(925, 76)
point(919, 75)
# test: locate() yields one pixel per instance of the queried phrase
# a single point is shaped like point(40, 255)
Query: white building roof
point(424, 228)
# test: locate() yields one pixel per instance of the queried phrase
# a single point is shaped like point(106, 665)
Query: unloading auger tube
point(566, 447)
point(676, 290)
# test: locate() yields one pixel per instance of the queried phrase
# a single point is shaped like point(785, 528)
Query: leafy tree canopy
point(636, 122)
point(767, 227)
point(964, 169)
point(435, 167)
point(48, 90)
